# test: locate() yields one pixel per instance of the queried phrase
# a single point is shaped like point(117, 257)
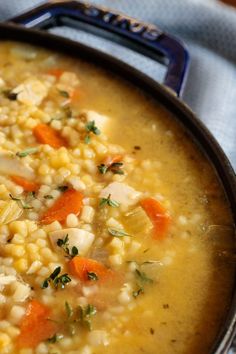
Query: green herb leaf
point(27, 152)
point(64, 244)
point(87, 139)
point(92, 276)
point(62, 188)
point(55, 280)
point(32, 194)
point(85, 314)
point(114, 168)
point(21, 203)
point(55, 273)
point(68, 112)
point(118, 233)
point(64, 93)
point(102, 169)
point(90, 127)
point(48, 196)
point(143, 276)
point(108, 201)
point(69, 310)
point(138, 292)
point(74, 252)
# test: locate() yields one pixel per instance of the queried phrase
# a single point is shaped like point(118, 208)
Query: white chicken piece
point(10, 165)
point(68, 79)
point(31, 91)
point(79, 238)
point(99, 119)
point(67, 82)
point(121, 193)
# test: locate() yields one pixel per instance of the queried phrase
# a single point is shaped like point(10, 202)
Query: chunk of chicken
point(31, 91)
point(122, 193)
point(99, 119)
point(79, 238)
point(67, 82)
point(10, 165)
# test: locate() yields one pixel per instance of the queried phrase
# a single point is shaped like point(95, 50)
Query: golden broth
point(167, 296)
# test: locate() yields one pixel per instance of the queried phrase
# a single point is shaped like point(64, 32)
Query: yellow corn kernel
point(21, 265)
point(30, 123)
point(33, 252)
point(18, 227)
point(14, 250)
point(32, 248)
point(4, 340)
point(43, 169)
point(31, 226)
point(18, 239)
point(13, 331)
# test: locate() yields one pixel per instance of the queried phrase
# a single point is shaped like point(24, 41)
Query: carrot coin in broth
point(115, 234)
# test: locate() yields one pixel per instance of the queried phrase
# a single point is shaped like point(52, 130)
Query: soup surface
point(115, 235)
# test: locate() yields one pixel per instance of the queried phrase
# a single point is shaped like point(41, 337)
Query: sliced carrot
point(47, 135)
point(109, 160)
point(28, 186)
point(80, 267)
point(70, 202)
point(55, 72)
point(35, 326)
point(158, 215)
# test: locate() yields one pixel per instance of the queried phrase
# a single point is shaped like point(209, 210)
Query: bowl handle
point(142, 37)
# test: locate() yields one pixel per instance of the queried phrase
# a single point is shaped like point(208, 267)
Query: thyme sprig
point(64, 244)
point(56, 281)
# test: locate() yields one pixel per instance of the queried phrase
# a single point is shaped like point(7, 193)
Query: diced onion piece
point(122, 193)
point(79, 238)
point(9, 211)
point(22, 292)
point(137, 222)
point(7, 279)
point(12, 166)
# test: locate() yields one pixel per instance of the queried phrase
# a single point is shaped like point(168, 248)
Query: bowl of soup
point(116, 224)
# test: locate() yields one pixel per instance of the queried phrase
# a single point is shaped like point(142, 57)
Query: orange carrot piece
point(35, 326)
point(80, 267)
point(69, 202)
point(56, 72)
point(28, 186)
point(47, 135)
point(158, 215)
point(109, 160)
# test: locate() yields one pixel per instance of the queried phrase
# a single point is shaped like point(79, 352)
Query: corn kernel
point(21, 265)
point(4, 340)
point(18, 227)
